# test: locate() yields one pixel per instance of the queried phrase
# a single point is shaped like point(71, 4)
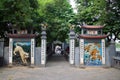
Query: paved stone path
point(58, 70)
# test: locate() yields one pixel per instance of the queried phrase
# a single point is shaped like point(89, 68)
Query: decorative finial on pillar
point(72, 27)
point(44, 26)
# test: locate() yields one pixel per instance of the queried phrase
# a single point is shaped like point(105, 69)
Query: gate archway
point(44, 48)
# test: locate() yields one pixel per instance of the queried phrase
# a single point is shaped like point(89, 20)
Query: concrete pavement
point(58, 70)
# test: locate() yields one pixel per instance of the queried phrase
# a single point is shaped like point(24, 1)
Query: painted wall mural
point(92, 54)
point(21, 52)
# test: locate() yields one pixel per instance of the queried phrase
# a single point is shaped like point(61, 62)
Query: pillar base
point(10, 65)
point(82, 66)
point(43, 65)
point(77, 66)
point(32, 66)
point(105, 66)
point(72, 65)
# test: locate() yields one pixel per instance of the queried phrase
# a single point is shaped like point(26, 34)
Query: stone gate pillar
point(72, 46)
point(103, 51)
point(32, 52)
point(10, 52)
point(81, 43)
point(43, 46)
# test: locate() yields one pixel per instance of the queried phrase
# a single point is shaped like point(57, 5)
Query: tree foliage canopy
point(91, 11)
point(112, 19)
point(30, 13)
point(58, 14)
point(18, 12)
point(101, 12)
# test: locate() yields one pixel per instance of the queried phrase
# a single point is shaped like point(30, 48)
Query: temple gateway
point(91, 51)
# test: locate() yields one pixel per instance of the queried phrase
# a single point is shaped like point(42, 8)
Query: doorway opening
point(57, 53)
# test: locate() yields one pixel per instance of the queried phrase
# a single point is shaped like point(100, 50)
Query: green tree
point(30, 13)
point(112, 19)
point(91, 11)
point(20, 12)
point(101, 12)
point(2, 23)
point(57, 13)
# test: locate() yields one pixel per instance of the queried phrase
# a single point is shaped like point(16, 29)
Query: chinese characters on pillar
point(43, 51)
point(103, 51)
point(81, 51)
point(72, 51)
point(32, 50)
point(10, 50)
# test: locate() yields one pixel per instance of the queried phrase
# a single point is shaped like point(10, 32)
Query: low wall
point(37, 56)
point(77, 57)
point(1, 51)
point(6, 55)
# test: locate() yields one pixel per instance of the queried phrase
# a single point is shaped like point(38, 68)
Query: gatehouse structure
point(21, 49)
point(92, 46)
